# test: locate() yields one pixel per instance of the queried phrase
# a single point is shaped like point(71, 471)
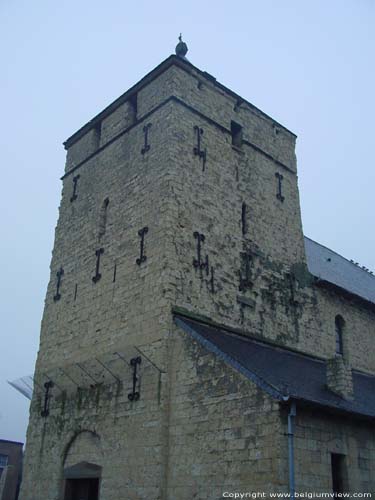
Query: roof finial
point(181, 47)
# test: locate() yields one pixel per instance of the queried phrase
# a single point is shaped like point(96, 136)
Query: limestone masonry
point(193, 342)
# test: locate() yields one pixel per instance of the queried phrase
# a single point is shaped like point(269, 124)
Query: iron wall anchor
point(59, 275)
point(142, 257)
point(198, 151)
point(134, 395)
point(146, 146)
point(97, 276)
point(48, 386)
point(200, 239)
point(74, 195)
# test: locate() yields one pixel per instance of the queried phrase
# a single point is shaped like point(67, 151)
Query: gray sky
point(308, 64)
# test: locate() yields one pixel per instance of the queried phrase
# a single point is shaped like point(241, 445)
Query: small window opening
point(3, 463)
point(244, 218)
point(338, 472)
point(339, 329)
point(133, 105)
point(97, 135)
point(103, 218)
point(236, 131)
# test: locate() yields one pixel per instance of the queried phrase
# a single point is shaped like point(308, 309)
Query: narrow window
point(338, 472)
point(133, 107)
point(97, 135)
point(279, 193)
point(339, 329)
point(103, 218)
point(3, 463)
point(236, 131)
point(244, 218)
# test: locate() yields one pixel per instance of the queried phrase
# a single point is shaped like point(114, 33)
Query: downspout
point(291, 415)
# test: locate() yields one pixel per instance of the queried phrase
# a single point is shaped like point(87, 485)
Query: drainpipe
point(291, 415)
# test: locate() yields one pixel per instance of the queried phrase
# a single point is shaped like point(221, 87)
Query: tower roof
point(183, 64)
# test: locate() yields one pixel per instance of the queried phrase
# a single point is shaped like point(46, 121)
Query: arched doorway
point(82, 481)
point(82, 471)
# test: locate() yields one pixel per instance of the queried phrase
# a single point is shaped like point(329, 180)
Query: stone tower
point(179, 214)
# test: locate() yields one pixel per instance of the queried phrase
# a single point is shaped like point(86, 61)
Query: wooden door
point(82, 489)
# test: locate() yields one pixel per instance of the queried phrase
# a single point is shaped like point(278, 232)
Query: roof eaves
point(343, 291)
point(338, 405)
point(120, 100)
point(311, 403)
point(7, 441)
point(184, 62)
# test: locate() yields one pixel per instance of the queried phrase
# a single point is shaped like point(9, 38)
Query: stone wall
point(278, 299)
point(100, 425)
point(358, 332)
point(128, 297)
point(317, 436)
point(224, 432)
point(127, 311)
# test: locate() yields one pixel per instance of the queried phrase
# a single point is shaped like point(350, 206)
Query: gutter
point(291, 415)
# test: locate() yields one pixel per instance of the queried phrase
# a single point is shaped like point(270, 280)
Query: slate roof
point(282, 373)
point(329, 266)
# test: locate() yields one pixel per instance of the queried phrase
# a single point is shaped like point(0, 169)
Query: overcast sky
point(307, 63)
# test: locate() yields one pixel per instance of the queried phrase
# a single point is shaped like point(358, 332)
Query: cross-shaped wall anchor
point(97, 276)
point(279, 194)
point(146, 146)
point(59, 274)
point(202, 154)
point(142, 256)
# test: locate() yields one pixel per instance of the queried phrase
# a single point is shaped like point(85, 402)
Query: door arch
point(82, 466)
point(82, 481)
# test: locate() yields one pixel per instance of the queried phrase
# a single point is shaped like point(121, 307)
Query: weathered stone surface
point(199, 428)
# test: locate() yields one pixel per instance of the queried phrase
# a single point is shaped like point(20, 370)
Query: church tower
point(179, 229)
